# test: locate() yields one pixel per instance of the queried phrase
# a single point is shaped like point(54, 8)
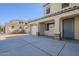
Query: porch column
point(38, 29)
point(57, 27)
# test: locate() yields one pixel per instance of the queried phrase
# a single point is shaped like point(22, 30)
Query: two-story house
point(60, 20)
point(14, 25)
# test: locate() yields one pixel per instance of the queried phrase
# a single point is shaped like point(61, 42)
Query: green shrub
point(18, 31)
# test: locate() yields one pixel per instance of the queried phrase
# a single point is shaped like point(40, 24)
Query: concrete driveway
point(27, 45)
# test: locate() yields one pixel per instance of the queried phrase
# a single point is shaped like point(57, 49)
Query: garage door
point(68, 31)
point(34, 30)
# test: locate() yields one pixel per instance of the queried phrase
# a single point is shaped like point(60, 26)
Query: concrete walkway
point(27, 45)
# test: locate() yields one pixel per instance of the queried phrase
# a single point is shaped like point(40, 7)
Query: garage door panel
point(68, 28)
point(34, 30)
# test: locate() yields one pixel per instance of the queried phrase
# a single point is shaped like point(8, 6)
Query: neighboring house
point(60, 20)
point(14, 25)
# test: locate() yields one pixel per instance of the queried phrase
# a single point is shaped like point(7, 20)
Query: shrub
point(18, 31)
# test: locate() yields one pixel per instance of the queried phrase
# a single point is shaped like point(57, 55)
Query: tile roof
point(59, 12)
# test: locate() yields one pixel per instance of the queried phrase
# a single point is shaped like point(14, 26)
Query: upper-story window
point(65, 5)
point(47, 10)
point(12, 27)
point(21, 22)
point(25, 23)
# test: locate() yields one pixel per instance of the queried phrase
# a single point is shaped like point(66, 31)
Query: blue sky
point(20, 11)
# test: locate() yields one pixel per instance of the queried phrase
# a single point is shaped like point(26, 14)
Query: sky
point(9, 11)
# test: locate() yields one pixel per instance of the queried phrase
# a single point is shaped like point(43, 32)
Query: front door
point(68, 28)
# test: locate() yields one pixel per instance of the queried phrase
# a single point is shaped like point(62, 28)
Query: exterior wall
point(74, 4)
point(58, 20)
point(30, 27)
point(77, 27)
point(61, 23)
point(67, 15)
point(41, 28)
point(71, 5)
point(50, 32)
point(55, 7)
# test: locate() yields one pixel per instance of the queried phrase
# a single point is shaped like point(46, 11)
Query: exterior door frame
point(63, 27)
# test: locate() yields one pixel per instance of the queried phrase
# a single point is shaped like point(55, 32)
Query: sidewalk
point(4, 36)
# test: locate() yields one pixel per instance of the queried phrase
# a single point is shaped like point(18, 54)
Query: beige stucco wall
point(69, 15)
point(77, 27)
point(57, 19)
point(33, 24)
point(61, 23)
point(55, 7)
point(41, 28)
point(49, 33)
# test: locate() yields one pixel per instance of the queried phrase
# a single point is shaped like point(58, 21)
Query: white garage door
point(34, 30)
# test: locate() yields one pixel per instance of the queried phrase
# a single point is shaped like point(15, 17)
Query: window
point(65, 5)
point(25, 23)
point(47, 10)
point(21, 22)
point(20, 27)
point(49, 26)
point(12, 27)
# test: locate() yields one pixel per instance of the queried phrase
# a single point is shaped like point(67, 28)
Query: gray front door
point(68, 28)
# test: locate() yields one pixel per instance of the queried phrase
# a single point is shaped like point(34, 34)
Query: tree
point(2, 28)
point(18, 31)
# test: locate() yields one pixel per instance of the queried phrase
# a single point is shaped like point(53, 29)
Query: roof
point(19, 20)
point(59, 12)
point(46, 4)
